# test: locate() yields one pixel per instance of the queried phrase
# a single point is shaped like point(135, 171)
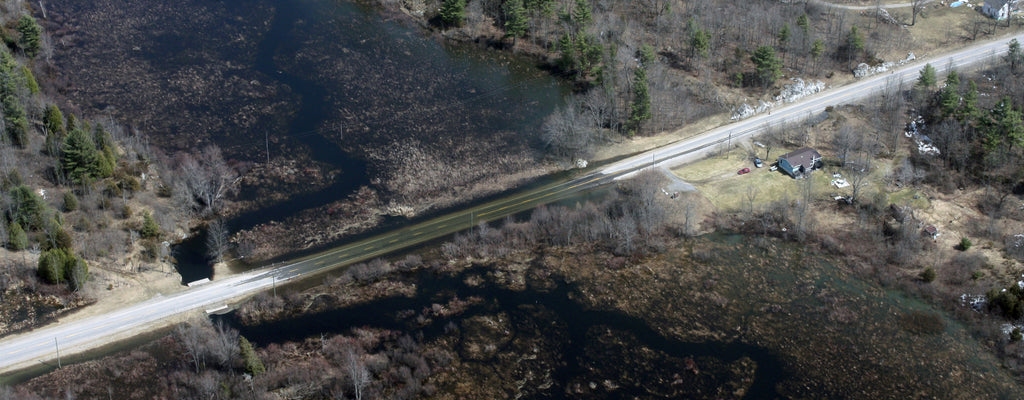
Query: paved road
point(846, 7)
point(29, 349)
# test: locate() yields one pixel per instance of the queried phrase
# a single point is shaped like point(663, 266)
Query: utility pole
point(728, 146)
point(275, 284)
point(58, 351)
point(266, 139)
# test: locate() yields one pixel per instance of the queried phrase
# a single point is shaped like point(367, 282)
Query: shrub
point(1008, 302)
point(18, 239)
point(965, 244)
point(70, 201)
point(928, 275)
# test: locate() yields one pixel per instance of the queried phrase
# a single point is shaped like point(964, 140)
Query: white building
point(999, 9)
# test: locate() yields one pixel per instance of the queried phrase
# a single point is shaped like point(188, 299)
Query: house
point(797, 163)
point(931, 231)
point(999, 9)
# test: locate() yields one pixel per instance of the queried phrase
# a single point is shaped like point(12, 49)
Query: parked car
point(758, 163)
point(743, 171)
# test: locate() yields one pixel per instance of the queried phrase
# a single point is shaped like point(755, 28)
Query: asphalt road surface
point(41, 345)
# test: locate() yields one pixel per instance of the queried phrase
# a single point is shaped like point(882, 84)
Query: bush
point(928, 275)
point(18, 239)
point(70, 201)
point(965, 244)
point(1008, 302)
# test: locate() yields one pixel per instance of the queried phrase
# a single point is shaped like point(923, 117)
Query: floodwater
point(362, 81)
point(578, 337)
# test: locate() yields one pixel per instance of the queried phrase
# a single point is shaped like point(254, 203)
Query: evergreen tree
point(70, 201)
point(79, 158)
point(1014, 55)
point(17, 239)
point(52, 265)
point(803, 23)
point(647, 56)
point(453, 12)
point(927, 78)
point(581, 15)
point(700, 43)
point(150, 229)
point(817, 49)
point(783, 36)
point(76, 272)
point(949, 97)
point(516, 24)
point(640, 110)
point(26, 207)
point(30, 80)
point(253, 364)
point(969, 106)
point(854, 42)
point(768, 67)
point(30, 35)
point(53, 120)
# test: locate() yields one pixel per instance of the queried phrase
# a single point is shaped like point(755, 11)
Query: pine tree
point(1014, 55)
point(783, 36)
point(768, 67)
point(854, 43)
point(969, 107)
point(150, 229)
point(79, 158)
point(253, 364)
point(30, 35)
point(927, 78)
point(700, 43)
point(453, 12)
point(803, 23)
point(949, 97)
point(640, 110)
point(516, 24)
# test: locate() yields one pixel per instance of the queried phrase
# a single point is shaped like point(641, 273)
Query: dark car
point(743, 171)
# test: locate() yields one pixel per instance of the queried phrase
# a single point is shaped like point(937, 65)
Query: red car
point(743, 171)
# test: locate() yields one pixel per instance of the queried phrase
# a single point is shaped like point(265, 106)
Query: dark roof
point(931, 229)
point(803, 157)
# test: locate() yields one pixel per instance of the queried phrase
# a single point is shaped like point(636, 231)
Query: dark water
point(547, 305)
point(377, 81)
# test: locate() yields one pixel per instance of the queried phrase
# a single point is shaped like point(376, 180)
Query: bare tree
point(217, 240)
point(916, 6)
point(207, 178)
point(223, 345)
point(857, 175)
point(846, 141)
point(751, 197)
point(191, 337)
point(357, 373)
point(567, 132)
